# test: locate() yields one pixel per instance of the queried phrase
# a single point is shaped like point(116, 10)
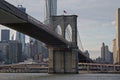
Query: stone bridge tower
point(64, 59)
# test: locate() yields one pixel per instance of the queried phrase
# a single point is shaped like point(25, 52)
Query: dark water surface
point(45, 76)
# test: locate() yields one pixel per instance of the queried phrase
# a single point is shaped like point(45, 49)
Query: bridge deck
point(12, 17)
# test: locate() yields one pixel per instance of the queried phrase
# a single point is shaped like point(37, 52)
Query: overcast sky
point(96, 19)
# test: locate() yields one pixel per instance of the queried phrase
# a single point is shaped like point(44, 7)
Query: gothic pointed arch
point(58, 30)
point(68, 33)
point(68, 24)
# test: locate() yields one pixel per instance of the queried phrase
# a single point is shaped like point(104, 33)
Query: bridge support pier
point(63, 61)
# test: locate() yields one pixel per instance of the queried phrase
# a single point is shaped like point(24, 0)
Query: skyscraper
point(114, 52)
point(106, 55)
point(15, 50)
point(103, 52)
point(51, 9)
point(118, 35)
point(4, 51)
point(20, 36)
point(5, 35)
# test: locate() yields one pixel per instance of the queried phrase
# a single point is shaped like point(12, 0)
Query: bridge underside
point(83, 58)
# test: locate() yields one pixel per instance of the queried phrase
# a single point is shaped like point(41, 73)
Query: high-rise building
point(103, 52)
point(51, 9)
point(106, 55)
point(118, 35)
point(27, 50)
point(4, 51)
point(15, 50)
point(36, 50)
point(114, 52)
point(5, 35)
point(10, 52)
point(20, 36)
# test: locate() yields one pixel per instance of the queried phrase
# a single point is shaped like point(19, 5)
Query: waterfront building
point(5, 35)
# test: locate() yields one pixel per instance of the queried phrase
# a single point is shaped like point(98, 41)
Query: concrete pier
point(63, 61)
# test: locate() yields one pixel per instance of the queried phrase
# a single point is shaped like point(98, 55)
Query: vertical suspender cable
point(79, 42)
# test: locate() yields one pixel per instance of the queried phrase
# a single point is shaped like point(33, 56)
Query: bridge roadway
point(12, 17)
point(43, 68)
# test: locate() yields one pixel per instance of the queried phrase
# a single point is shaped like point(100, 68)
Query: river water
point(45, 76)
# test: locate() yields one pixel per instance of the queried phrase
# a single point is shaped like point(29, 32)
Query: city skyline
point(96, 19)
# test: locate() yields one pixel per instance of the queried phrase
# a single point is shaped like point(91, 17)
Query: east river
point(45, 76)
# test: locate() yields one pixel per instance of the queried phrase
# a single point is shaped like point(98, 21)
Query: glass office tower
point(20, 36)
point(5, 35)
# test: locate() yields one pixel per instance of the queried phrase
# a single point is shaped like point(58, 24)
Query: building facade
point(36, 50)
point(87, 53)
point(118, 36)
point(106, 55)
point(5, 35)
point(4, 52)
point(20, 36)
point(103, 52)
point(10, 52)
point(115, 60)
point(15, 52)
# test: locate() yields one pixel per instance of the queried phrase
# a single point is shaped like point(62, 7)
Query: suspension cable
point(79, 41)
